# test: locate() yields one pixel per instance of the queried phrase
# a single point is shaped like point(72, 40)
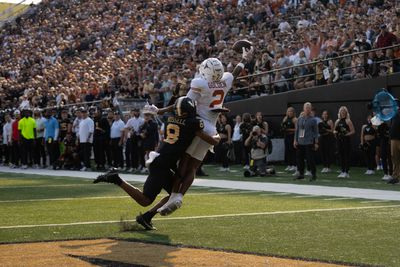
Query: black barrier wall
point(353, 94)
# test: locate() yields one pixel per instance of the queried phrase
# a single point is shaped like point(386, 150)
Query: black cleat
point(140, 219)
point(200, 172)
point(393, 181)
point(111, 177)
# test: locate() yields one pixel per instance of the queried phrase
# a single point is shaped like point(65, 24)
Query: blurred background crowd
point(63, 52)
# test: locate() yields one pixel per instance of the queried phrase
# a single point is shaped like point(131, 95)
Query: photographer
point(258, 143)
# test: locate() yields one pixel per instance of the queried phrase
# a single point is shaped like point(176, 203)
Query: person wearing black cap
point(117, 140)
point(86, 130)
point(385, 38)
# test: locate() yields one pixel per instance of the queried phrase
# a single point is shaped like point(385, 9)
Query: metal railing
point(293, 77)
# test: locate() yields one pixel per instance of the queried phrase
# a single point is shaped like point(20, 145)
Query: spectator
point(117, 140)
point(149, 135)
point(237, 140)
point(51, 131)
point(86, 130)
point(306, 142)
point(385, 38)
point(135, 157)
point(368, 145)
point(245, 129)
point(7, 140)
point(101, 139)
point(395, 147)
point(383, 132)
point(326, 141)
point(15, 140)
point(288, 128)
point(225, 132)
point(343, 131)
point(27, 128)
point(39, 153)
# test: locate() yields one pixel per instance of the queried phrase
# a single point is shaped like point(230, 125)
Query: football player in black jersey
point(179, 133)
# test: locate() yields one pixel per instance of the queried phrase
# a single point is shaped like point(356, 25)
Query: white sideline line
point(338, 198)
point(115, 197)
point(374, 201)
point(204, 216)
point(306, 196)
point(275, 194)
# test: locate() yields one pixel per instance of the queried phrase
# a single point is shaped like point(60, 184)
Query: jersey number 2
point(220, 97)
point(172, 134)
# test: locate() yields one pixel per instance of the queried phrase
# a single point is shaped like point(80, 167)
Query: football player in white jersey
point(209, 91)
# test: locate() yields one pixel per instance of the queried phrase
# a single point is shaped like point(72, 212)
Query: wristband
point(240, 65)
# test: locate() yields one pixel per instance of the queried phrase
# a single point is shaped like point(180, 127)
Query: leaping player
point(209, 91)
point(179, 133)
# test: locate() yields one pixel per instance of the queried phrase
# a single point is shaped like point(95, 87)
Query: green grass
point(357, 178)
point(366, 236)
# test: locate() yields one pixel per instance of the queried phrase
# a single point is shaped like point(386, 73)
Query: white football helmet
point(211, 69)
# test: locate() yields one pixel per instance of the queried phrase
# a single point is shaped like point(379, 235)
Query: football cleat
point(111, 177)
point(140, 219)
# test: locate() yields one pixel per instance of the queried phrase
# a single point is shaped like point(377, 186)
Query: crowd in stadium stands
point(74, 51)
point(68, 52)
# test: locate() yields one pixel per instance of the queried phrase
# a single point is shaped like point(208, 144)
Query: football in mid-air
point(238, 45)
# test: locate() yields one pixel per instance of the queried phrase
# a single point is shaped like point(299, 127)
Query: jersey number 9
point(172, 134)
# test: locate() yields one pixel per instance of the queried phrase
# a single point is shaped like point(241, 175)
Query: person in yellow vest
point(27, 129)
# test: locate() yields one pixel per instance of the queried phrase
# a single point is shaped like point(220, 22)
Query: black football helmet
point(185, 107)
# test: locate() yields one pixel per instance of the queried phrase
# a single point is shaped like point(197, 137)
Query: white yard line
point(338, 198)
point(206, 216)
point(328, 191)
point(374, 201)
point(306, 196)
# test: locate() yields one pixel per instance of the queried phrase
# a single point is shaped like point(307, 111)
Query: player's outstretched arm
point(161, 111)
point(212, 140)
point(247, 55)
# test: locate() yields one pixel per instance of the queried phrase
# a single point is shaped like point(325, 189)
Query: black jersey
point(369, 129)
point(286, 125)
point(178, 135)
point(64, 127)
point(342, 128)
point(323, 127)
point(384, 131)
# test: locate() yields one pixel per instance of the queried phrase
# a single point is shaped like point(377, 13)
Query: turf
point(352, 236)
point(357, 178)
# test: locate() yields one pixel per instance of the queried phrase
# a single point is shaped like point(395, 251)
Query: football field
point(284, 226)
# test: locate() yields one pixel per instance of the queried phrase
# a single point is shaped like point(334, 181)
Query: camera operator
point(258, 143)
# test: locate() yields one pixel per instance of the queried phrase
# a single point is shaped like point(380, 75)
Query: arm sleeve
point(228, 78)
point(197, 87)
point(91, 127)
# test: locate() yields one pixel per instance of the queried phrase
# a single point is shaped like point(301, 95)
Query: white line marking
point(374, 201)
point(275, 194)
point(306, 196)
point(338, 198)
point(206, 216)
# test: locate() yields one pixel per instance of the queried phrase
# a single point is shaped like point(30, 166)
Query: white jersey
point(210, 96)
